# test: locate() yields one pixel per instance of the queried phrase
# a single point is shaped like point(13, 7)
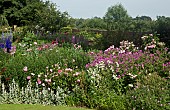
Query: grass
point(36, 107)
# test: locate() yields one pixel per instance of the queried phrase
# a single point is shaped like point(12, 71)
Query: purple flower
point(73, 40)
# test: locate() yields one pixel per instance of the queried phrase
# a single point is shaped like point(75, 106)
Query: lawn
point(36, 107)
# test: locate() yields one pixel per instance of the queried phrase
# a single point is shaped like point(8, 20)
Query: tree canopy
point(33, 12)
point(116, 17)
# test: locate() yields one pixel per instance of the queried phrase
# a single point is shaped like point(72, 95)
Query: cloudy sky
point(92, 8)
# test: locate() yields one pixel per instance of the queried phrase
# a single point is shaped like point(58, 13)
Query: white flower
point(78, 80)
point(39, 75)
point(68, 69)
point(130, 85)
point(28, 50)
point(19, 44)
point(43, 84)
point(35, 43)
point(117, 64)
point(122, 51)
point(114, 77)
point(32, 74)
point(36, 27)
point(51, 70)
point(77, 73)
point(73, 60)
point(46, 80)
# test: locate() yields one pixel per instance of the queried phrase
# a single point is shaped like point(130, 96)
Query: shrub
point(151, 93)
point(4, 57)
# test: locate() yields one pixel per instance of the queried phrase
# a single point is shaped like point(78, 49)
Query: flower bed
point(91, 78)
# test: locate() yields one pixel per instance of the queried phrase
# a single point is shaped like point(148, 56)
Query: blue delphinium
point(8, 43)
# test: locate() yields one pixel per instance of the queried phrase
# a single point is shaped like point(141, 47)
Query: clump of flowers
point(127, 46)
point(66, 78)
point(151, 43)
point(128, 62)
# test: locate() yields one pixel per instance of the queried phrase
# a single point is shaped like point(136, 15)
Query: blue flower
point(8, 43)
point(2, 45)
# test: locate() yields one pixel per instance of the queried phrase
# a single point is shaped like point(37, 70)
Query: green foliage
point(116, 18)
point(4, 21)
point(108, 82)
point(86, 35)
point(162, 28)
point(38, 58)
point(67, 30)
point(4, 57)
point(32, 13)
point(90, 23)
point(151, 93)
point(142, 24)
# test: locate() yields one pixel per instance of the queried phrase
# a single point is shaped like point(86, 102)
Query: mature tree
point(95, 23)
point(33, 12)
point(163, 28)
point(143, 24)
point(90, 23)
point(117, 18)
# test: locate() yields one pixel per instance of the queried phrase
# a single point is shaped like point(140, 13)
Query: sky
point(92, 8)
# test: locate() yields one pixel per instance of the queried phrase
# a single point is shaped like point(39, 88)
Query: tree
point(117, 18)
point(90, 23)
point(163, 28)
point(33, 12)
point(143, 24)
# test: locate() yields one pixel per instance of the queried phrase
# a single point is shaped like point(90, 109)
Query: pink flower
point(152, 46)
point(38, 81)
point(59, 71)
point(39, 48)
point(28, 77)
point(77, 73)
point(49, 80)
point(150, 34)
point(78, 80)
point(25, 69)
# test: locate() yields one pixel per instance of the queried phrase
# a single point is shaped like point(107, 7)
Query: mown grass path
point(36, 107)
